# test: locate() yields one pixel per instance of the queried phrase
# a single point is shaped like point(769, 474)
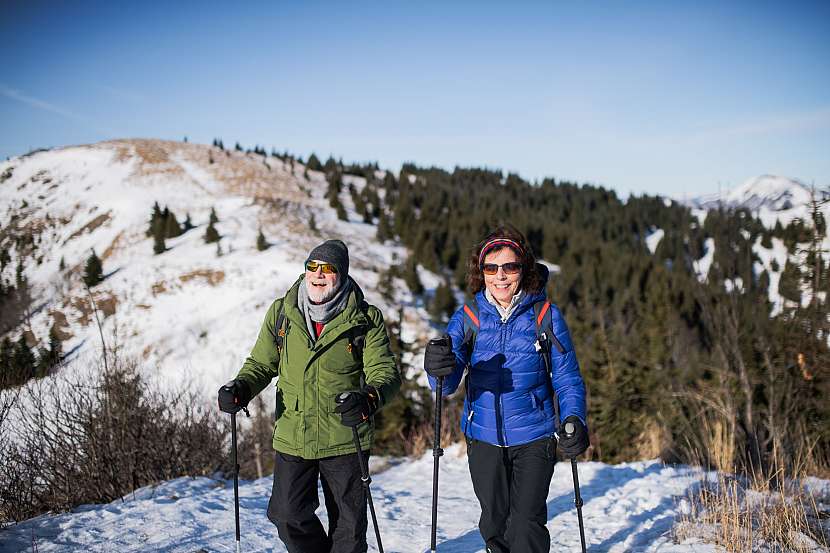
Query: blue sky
point(642, 97)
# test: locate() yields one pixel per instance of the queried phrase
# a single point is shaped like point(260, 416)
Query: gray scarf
point(322, 312)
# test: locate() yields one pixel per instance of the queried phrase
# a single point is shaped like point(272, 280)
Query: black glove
point(439, 359)
point(234, 396)
point(357, 406)
point(574, 437)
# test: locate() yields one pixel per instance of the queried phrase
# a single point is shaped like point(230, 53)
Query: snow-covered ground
point(628, 507)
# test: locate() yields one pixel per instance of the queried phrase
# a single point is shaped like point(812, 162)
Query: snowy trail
point(628, 507)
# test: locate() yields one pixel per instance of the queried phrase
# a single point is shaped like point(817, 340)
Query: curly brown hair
point(531, 279)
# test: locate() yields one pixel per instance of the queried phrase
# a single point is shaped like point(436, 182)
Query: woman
point(509, 416)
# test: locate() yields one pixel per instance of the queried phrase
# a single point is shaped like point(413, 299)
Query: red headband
point(499, 243)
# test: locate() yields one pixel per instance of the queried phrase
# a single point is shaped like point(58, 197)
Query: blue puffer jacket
point(508, 401)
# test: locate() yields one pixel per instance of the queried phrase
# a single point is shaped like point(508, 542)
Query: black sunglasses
point(509, 268)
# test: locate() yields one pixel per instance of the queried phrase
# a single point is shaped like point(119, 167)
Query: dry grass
point(421, 437)
point(768, 511)
point(106, 302)
point(60, 324)
point(90, 226)
point(654, 440)
point(211, 277)
point(754, 514)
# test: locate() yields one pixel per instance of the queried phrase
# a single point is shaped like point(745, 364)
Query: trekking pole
point(236, 478)
point(437, 452)
point(569, 430)
point(544, 346)
point(364, 472)
point(366, 479)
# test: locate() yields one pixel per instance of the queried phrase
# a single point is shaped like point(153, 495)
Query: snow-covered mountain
point(766, 191)
point(772, 198)
point(192, 312)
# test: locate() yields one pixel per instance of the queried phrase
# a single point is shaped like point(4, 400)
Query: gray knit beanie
point(334, 252)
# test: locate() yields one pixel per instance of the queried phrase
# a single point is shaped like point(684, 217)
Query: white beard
point(320, 295)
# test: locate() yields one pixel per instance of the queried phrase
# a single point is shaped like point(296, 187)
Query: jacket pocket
point(347, 367)
point(289, 419)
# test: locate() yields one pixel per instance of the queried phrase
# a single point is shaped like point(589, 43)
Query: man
point(320, 340)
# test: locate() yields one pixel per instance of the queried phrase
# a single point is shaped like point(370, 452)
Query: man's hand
point(355, 407)
point(439, 359)
point(574, 438)
point(234, 396)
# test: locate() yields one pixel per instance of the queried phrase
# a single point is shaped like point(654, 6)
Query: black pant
point(294, 500)
point(511, 484)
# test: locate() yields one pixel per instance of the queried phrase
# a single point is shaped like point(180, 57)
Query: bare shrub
point(753, 515)
point(420, 437)
point(75, 439)
point(255, 447)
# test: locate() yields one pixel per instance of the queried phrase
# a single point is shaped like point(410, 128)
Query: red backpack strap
point(471, 325)
point(544, 324)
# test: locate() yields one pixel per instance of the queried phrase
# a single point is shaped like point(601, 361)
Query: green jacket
point(311, 374)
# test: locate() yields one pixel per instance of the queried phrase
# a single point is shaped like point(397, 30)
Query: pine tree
point(159, 246)
point(335, 185)
point(790, 284)
point(23, 361)
point(213, 218)
point(314, 163)
point(331, 166)
point(55, 345)
point(211, 234)
point(7, 376)
point(410, 276)
point(62, 264)
point(93, 271)
point(443, 303)
point(261, 242)
point(384, 231)
point(188, 224)
point(20, 276)
point(155, 218)
point(341, 212)
point(171, 225)
point(312, 223)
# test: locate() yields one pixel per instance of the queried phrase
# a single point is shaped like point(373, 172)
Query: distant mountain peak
point(769, 192)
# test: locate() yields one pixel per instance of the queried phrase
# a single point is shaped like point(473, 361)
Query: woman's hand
point(439, 359)
point(574, 438)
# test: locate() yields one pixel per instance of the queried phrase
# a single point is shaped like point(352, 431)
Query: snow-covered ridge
point(193, 312)
point(771, 198)
point(771, 192)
